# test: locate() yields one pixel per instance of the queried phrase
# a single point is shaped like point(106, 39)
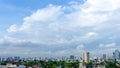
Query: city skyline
point(59, 27)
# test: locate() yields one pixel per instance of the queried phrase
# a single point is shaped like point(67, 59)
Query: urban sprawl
point(65, 62)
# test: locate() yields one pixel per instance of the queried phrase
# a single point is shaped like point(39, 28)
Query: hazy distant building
point(72, 57)
point(86, 56)
point(116, 55)
point(104, 56)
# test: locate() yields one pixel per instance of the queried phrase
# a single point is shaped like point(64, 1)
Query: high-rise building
point(86, 56)
point(104, 56)
point(72, 57)
point(116, 55)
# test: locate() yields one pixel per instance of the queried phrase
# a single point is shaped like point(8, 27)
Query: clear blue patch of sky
point(35, 4)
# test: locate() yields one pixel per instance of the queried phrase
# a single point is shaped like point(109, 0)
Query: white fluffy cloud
point(102, 5)
point(111, 45)
point(71, 26)
point(107, 49)
point(13, 28)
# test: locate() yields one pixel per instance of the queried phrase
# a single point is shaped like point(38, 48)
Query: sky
point(59, 27)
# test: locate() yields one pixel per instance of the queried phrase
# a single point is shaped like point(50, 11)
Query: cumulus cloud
point(107, 49)
point(102, 5)
point(111, 45)
point(13, 28)
point(66, 27)
point(90, 35)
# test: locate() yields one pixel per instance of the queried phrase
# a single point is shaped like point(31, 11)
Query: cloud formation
point(65, 29)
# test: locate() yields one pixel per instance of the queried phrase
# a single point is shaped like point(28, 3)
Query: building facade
point(116, 55)
point(86, 56)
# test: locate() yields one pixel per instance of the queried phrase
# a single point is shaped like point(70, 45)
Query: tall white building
point(86, 56)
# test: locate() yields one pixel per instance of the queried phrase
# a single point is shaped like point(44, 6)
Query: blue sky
point(64, 27)
point(13, 11)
